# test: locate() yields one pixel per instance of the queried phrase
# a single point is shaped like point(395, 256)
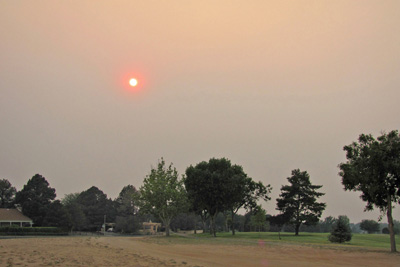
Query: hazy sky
point(270, 85)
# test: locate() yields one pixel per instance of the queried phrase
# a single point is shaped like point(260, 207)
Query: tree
point(244, 192)
point(95, 206)
point(298, 201)
point(163, 194)
point(340, 231)
point(7, 194)
point(259, 219)
point(75, 211)
point(127, 210)
point(276, 222)
point(217, 186)
point(57, 215)
point(35, 197)
point(370, 226)
point(327, 224)
point(373, 167)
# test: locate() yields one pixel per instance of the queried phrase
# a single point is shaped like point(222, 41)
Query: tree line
point(211, 188)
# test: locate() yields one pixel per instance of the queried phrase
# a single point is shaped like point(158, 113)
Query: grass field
point(370, 241)
point(244, 249)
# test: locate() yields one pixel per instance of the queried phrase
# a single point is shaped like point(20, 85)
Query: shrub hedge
point(12, 230)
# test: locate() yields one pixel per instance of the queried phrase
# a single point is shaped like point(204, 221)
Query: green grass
point(367, 241)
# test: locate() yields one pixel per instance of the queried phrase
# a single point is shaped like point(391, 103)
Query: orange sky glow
point(271, 85)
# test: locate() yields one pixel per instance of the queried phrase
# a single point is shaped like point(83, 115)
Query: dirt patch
point(144, 251)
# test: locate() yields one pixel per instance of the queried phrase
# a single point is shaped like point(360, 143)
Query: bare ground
point(145, 251)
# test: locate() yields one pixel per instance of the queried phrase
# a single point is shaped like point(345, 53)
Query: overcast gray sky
point(270, 85)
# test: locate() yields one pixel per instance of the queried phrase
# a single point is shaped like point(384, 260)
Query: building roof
point(13, 215)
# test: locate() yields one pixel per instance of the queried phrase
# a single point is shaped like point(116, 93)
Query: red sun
point(133, 82)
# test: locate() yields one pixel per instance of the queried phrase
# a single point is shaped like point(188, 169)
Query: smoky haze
point(271, 85)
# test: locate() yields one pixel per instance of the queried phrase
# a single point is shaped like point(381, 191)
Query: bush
point(12, 230)
point(340, 231)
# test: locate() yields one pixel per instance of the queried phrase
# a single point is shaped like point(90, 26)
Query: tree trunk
point(297, 229)
point(390, 222)
point(233, 224)
point(203, 221)
point(167, 230)
point(212, 228)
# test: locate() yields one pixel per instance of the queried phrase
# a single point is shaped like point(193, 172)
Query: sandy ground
point(148, 251)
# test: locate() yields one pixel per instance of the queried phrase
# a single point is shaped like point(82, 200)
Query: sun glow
point(133, 82)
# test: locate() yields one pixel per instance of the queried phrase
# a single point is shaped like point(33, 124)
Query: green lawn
point(370, 241)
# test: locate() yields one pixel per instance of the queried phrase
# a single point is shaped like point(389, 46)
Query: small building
point(10, 217)
point(150, 227)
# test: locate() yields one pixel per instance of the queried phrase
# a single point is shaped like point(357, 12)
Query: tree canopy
point(7, 194)
point(298, 201)
point(217, 186)
point(127, 208)
point(95, 206)
point(370, 226)
point(163, 194)
point(341, 231)
point(373, 167)
point(35, 197)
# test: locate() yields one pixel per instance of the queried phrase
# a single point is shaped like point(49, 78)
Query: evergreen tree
point(298, 201)
point(35, 198)
point(340, 231)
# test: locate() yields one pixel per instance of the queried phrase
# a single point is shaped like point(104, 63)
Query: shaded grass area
point(371, 241)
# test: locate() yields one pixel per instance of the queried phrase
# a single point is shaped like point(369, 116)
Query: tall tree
point(373, 167)
point(163, 194)
point(7, 194)
point(244, 192)
point(127, 209)
point(94, 204)
point(126, 201)
point(211, 186)
point(75, 211)
point(298, 201)
point(35, 197)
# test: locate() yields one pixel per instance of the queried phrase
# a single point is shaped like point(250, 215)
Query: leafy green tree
point(373, 167)
point(340, 232)
point(298, 201)
point(370, 226)
point(75, 211)
point(244, 192)
point(7, 194)
point(326, 224)
point(35, 197)
point(217, 186)
point(259, 219)
point(163, 194)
